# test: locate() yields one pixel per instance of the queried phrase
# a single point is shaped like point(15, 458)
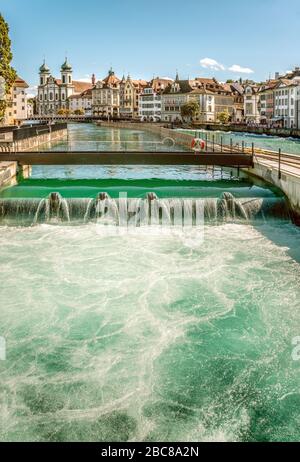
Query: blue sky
point(227, 39)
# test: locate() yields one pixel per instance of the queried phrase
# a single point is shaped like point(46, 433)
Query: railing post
point(243, 147)
point(213, 143)
point(206, 141)
point(231, 146)
point(279, 164)
point(221, 143)
point(252, 155)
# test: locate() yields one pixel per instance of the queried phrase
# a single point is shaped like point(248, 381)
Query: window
point(64, 79)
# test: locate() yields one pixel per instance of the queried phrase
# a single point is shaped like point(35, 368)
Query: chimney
point(93, 80)
point(277, 75)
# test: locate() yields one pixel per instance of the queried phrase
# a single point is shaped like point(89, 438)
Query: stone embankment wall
point(25, 139)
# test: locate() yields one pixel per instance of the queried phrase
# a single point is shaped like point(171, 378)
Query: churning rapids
point(146, 336)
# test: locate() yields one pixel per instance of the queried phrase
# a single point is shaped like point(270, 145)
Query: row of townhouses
point(159, 99)
point(273, 103)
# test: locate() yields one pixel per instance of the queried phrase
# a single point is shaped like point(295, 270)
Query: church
point(53, 94)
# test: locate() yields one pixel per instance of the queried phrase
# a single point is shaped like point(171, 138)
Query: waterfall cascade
point(142, 212)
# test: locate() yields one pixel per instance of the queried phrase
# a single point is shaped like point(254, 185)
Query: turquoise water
point(82, 137)
point(156, 335)
point(272, 143)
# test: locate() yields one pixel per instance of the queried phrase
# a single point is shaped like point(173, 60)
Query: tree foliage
point(190, 110)
point(64, 112)
point(6, 71)
point(224, 117)
point(79, 112)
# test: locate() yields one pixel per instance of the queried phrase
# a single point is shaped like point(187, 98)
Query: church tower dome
point(66, 73)
point(44, 73)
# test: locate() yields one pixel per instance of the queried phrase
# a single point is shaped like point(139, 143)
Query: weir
point(142, 212)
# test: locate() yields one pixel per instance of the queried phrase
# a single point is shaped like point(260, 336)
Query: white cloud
point(167, 78)
point(240, 70)
point(87, 78)
point(212, 64)
point(209, 63)
point(31, 92)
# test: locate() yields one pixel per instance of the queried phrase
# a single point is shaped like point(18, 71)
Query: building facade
point(53, 94)
point(150, 100)
point(81, 104)
point(286, 103)
point(266, 104)
point(251, 107)
point(149, 105)
point(237, 91)
point(16, 111)
point(173, 98)
point(106, 97)
point(130, 91)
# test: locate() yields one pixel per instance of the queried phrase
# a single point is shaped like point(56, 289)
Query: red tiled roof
point(81, 86)
point(84, 94)
point(111, 80)
point(20, 83)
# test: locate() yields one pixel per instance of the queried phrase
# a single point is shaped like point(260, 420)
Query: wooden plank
point(128, 158)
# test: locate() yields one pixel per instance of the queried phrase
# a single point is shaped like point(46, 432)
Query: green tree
point(7, 73)
point(224, 117)
point(64, 112)
point(190, 110)
point(79, 112)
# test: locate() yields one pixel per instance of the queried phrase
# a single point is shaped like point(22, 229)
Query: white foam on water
point(148, 336)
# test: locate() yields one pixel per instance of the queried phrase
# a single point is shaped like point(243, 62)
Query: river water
point(155, 335)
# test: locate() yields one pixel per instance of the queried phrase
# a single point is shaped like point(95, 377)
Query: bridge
point(213, 158)
point(77, 118)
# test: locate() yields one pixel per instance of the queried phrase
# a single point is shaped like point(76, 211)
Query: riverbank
point(281, 132)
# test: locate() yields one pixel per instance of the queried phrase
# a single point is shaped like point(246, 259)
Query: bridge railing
point(70, 145)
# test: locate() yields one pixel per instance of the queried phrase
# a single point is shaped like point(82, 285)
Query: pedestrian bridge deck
point(223, 159)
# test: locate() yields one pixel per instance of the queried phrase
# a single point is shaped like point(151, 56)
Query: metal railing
point(120, 146)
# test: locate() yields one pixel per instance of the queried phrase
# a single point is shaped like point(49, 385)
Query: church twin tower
point(66, 73)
